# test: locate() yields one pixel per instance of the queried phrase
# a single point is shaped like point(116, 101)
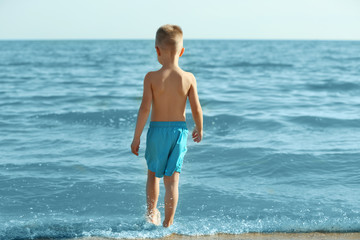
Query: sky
point(199, 19)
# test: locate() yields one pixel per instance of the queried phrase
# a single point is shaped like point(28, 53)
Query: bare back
point(170, 88)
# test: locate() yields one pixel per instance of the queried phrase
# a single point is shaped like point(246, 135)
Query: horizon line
point(153, 39)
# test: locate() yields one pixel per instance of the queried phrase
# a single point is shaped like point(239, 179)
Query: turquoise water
point(281, 147)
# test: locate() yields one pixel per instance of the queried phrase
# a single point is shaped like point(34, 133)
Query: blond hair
point(169, 37)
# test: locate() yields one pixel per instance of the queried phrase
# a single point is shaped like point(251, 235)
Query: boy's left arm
point(143, 114)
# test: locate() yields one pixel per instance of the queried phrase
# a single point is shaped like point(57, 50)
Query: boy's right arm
point(196, 110)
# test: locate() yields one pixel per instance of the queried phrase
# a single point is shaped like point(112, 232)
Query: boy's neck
point(170, 62)
point(174, 64)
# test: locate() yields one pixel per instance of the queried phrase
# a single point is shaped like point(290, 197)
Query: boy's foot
point(154, 217)
point(167, 224)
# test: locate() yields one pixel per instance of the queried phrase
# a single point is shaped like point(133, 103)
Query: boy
point(166, 91)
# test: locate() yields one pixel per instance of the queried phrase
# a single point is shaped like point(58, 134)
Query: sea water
point(280, 153)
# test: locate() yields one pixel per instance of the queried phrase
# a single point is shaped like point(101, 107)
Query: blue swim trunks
point(166, 147)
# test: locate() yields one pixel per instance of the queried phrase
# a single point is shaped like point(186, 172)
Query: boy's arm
point(143, 114)
point(196, 110)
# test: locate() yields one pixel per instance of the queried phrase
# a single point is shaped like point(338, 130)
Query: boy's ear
point(157, 50)
point(182, 52)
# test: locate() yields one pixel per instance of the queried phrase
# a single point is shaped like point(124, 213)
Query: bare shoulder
point(150, 76)
point(155, 73)
point(189, 76)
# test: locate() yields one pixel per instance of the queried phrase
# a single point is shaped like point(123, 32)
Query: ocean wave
point(334, 86)
point(48, 64)
point(264, 65)
point(108, 118)
point(55, 169)
point(325, 122)
point(100, 227)
point(342, 59)
point(278, 166)
point(248, 64)
point(289, 165)
point(225, 123)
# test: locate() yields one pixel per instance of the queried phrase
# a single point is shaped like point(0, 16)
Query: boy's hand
point(135, 146)
point(197, 135)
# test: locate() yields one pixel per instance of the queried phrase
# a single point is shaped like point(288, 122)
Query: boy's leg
point(171, 197)
point(152, 195)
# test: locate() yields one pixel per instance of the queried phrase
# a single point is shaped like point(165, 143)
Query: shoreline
point(249, 236)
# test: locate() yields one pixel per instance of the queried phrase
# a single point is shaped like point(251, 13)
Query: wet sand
point(252, 236)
